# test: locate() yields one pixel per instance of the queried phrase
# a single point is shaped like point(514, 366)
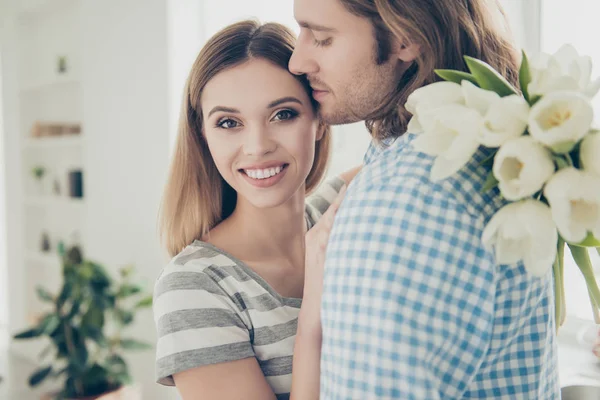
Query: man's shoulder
point(400, 168)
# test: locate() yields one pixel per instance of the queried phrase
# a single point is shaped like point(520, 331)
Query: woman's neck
point(262, 234)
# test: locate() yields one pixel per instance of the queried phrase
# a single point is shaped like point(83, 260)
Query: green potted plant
point(38, 173)
point(85, 326)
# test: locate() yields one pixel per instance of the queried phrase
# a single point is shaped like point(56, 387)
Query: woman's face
point(261, 131)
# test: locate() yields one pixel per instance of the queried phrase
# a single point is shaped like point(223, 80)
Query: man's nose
point(302, 61)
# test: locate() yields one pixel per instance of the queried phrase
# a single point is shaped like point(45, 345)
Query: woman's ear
point(321, 129)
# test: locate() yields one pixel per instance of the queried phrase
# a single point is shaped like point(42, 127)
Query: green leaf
point(124, 316)
point(65, 293)
point(28, 334)
point(126, 271)
point(490, 183)
point(127, 290)
point(488, 78)
point(560, 162)
point(45, 352)
point(44, 294)
point(94, 318)
point(455, 76)
point(132, 344)
point(116, 364)
point(524, 76)
point(49, 324)
point(97, 336)
point(38, 376)
point(489, 160)
point(145, 302)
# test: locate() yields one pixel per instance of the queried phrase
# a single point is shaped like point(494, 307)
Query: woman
point(250, 147)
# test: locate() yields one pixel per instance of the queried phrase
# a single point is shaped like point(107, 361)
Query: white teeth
point(263, 173)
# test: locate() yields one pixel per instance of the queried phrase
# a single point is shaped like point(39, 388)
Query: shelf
point(52, 201)
point(56, 82)
point(53, 142)
point(42, 258)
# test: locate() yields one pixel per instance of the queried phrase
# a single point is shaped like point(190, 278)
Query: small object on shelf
point(76, 183)
point(62, 64)
point(45, 129)
point(45, 242)
point(38, 173)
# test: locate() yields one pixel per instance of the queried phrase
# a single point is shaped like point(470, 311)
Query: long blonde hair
point(196, 197)
point(445, 30)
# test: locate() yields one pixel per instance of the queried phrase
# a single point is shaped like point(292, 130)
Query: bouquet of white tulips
point(545, 158)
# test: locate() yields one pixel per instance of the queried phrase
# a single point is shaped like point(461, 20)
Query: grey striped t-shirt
point(211, 308)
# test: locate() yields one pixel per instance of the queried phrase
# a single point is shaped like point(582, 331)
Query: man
point(414, 306)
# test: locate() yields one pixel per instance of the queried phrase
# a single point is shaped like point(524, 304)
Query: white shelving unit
point(48, 31)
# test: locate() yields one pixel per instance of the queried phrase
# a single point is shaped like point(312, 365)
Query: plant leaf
point(39, 375)
point(488, 78)
point(490, 183)
point(49, 324)
point(127, 290)
point(524, 76)
point(28, 334)
point(44, 294)
point(451, 75)
point(132, 344)
point(125, 317)
point(145, 302)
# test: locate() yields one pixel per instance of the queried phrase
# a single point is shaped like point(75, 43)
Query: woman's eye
point(285, 115)
point(227, 123)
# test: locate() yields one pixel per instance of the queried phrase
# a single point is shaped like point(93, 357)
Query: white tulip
point(423, 102)
point(559, 120)
point(522, 166)
point(523, 231)
point(589, 153)
point(564, 70)
point(505, 119)
point(574, 198)
point(478, 99)
point(451, 137)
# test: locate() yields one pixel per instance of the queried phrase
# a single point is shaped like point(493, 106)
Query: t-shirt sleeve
point(319, 202)
point(197, 323)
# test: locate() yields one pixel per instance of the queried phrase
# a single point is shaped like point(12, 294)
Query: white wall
point(126, 124)
point(12, 287)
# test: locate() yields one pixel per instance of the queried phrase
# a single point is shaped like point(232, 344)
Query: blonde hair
point(445, 30)
point(196, 198)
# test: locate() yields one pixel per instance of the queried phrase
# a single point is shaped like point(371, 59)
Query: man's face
point(337, 51)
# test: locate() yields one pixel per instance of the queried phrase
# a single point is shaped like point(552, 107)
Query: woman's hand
point(307, 349)
point(315, 247)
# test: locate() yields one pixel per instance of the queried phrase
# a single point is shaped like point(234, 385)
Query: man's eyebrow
point(315, 27)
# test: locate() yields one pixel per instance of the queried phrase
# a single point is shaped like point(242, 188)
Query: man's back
point(414, 306)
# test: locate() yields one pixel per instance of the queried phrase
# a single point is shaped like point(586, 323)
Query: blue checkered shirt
point(414, 307)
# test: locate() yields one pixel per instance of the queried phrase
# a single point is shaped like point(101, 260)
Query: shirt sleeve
point(196, 321)
point(319, 202)
point(408, 295)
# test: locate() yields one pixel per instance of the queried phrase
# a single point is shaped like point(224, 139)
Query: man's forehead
point(318, 13)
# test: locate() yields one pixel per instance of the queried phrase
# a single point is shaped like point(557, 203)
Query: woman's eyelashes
point(286, 114)
point(283, 115)
point(322, 43)
point(227, 123)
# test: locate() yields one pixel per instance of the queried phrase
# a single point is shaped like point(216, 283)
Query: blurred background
point(89, 99)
